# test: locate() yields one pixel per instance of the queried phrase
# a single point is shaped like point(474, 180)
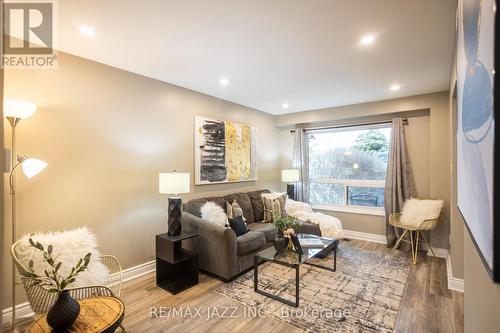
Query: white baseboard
point(139, 270)
point(453, 282)
point(24, 309)
point(365, 236)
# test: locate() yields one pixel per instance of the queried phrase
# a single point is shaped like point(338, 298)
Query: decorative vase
point(64, 312)
point(280, 244)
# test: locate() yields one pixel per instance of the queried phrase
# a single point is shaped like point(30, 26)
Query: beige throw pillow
point(274, 204)
point(233, 210)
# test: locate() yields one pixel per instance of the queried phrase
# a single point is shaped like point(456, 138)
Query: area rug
point(363, 295)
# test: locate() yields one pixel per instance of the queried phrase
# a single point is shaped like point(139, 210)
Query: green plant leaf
point(49, 249)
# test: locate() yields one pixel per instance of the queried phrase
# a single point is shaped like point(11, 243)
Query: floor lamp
point(15, 111)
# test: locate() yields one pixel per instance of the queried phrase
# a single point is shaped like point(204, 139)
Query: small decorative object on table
point(174, 183)
point(65, 310)
point(284, 225)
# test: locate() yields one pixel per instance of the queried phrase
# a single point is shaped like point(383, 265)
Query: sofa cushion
point(250, 242)
point(257, 205)
point(267, 229)
point(244, 201)
point(194, 206)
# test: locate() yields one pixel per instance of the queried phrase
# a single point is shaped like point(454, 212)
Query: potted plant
point(66, 309)
point(284, 224)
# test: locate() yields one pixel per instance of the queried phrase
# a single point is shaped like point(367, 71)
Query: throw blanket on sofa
point(330, 226)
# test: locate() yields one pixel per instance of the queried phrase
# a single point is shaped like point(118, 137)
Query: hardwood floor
point(427, 305)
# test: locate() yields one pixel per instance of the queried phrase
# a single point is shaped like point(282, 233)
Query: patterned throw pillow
point(233, 210)
point(274, 203)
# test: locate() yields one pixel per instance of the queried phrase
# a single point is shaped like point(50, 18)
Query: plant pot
point(280, 244)
point(64, 312)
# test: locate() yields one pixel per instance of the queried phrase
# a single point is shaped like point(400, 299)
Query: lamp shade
point(289, 175)
point(18, 109)
point(174, 182)
point(32, 166)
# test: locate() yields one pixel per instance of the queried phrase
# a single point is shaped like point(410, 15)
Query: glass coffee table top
point(312, 246)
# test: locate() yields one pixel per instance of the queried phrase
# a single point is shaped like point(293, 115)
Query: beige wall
point(106, 133)
point(427, 139)
point(482, 296)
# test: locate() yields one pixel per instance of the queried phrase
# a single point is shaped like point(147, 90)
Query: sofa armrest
point(215, 245)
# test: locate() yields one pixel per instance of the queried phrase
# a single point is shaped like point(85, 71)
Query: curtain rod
point(405, 122)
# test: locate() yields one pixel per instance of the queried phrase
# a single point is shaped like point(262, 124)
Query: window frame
point(379, 183)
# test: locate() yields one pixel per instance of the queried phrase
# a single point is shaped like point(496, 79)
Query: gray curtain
point(301, 162)
point(399, 183)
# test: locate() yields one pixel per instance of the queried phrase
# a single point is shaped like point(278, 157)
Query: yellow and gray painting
point(224, 152)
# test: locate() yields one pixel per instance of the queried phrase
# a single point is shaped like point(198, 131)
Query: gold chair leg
point(429, 243)
point(399, 241)
point(416, 249)
point(412, 248)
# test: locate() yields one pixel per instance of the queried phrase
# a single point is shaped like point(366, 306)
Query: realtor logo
point(28, 33)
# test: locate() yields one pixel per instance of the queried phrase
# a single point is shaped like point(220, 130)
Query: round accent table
point(97, 314)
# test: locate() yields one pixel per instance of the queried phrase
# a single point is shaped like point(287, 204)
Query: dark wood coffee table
point(320, 250)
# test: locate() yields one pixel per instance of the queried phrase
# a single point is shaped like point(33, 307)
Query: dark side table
point(176, 267)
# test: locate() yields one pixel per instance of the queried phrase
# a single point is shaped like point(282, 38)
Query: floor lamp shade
point(32, 166)
point(174, 183)
point(13, 108)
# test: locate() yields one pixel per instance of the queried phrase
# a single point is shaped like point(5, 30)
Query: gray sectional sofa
point(220, 252)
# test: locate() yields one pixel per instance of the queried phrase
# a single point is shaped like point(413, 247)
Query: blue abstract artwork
point(475, 127)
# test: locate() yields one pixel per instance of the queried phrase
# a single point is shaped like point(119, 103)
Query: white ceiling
point(302, 52)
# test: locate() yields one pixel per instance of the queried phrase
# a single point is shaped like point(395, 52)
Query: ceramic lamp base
point(174, 216)
point(290, 191)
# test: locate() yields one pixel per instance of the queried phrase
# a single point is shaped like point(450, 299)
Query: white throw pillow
point(68, 247)
point(415, 211)
point(214, 213)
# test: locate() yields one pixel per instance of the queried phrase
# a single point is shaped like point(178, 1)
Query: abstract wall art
point(478, 148)
point(224, 152)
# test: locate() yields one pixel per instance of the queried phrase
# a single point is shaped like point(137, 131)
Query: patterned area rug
point(363, 295)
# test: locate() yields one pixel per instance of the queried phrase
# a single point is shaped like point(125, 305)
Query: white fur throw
point(213, 213)
point(330, 226)
point(415, 211)
point(68, 247)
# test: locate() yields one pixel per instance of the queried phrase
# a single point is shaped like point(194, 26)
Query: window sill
point(378, 211)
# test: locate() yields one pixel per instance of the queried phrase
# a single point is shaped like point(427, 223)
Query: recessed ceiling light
point(87, 31)
point(285, 105)
point(367, 40)
point(355, 165)
point(224, 82)
point(395, 87)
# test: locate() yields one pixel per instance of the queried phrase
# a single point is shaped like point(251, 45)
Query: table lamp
point(174, 183)
point(290, 176)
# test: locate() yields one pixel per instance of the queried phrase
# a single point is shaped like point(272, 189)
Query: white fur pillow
point(68, 247)
point(415, 211)
point(214, 213)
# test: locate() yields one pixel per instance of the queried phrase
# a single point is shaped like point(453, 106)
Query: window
point(347, 168)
